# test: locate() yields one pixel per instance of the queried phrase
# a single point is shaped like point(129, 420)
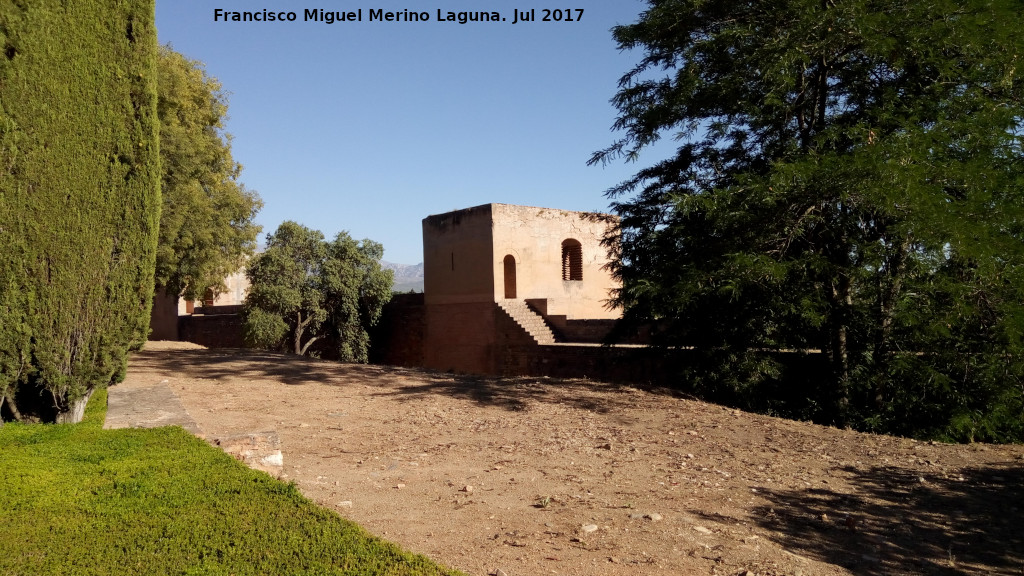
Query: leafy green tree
point(305, 290)
point(206, 225)
point(847, 179)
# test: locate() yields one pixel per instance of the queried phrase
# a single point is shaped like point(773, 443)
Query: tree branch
point(308, 343)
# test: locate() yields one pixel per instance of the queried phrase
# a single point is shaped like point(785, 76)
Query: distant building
point(508, 290)
point(237, 286)
point(165, 318)
point(542, 268)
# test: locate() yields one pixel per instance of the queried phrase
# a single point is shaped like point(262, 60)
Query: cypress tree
point(79, 197)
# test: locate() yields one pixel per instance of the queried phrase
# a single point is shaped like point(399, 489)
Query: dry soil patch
point(540, 476)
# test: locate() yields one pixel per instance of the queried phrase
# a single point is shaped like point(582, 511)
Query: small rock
point(588, 528)
point(702, 530)
point(303, 425)
point(345, 504)
point(399, 486)
point(692, 432)
point(467, 488)
point(653, 517)
point(605, 446)
point(500, 572)
point(613, 559)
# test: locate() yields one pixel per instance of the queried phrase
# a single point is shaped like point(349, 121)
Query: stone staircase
point(530, 321)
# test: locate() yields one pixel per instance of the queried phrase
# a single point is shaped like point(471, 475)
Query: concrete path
point(146, 407)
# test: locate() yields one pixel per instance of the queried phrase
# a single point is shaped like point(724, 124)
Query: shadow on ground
point(406, 384)
point(896, 521)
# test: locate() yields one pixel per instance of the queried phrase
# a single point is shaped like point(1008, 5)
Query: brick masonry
point(397, 339)
point(212, 331)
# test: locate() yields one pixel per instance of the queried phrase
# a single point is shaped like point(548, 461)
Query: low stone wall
point(583, 331)
point(632, 364)
point(218, 310)
point(213, 331)
point(798, 389)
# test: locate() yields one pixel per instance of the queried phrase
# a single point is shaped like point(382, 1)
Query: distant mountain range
point(407, 276)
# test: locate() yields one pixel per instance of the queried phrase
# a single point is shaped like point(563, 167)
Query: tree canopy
point(206, 225)
point(305, 290)
point(848, 180)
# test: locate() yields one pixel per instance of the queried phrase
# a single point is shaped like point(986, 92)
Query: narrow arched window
point(510, 276)
point(572, 260)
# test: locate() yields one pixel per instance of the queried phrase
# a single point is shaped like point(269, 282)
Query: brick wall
point(461, 337)
point(638, 365)
point(397, 339)
point(213, 331)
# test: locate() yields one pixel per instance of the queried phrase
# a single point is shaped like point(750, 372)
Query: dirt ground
point(534, 476)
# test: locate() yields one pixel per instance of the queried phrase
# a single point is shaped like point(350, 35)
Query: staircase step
point(529, 320)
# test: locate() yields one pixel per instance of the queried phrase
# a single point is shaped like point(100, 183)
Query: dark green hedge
point(79, 195)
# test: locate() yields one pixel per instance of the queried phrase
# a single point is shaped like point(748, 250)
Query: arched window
point(572, 260)
point(510, 276)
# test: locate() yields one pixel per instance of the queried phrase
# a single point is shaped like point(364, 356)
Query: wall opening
point(572, 260)
point(510, 276)
point(208, 297)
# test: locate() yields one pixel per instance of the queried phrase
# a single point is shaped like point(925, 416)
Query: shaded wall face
point(163, 319)
point(534, 237)
point(460, 338)
point(457, 257)
point(398, 337)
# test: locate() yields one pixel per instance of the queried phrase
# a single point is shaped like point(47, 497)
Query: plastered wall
point(534, 237)
point(465, 258)
point(457, 256)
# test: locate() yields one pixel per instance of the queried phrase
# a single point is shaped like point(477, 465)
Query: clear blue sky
point(371, 126)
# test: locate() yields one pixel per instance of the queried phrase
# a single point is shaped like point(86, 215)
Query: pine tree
point(848, 180)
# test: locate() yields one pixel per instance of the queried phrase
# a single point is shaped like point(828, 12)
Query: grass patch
point(77, 499)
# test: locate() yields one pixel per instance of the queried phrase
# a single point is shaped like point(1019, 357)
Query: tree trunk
point(11, 405)
point(887, 296)
point(300, 327)
point(76, 411)
point(306, 346)
point(842, 301)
